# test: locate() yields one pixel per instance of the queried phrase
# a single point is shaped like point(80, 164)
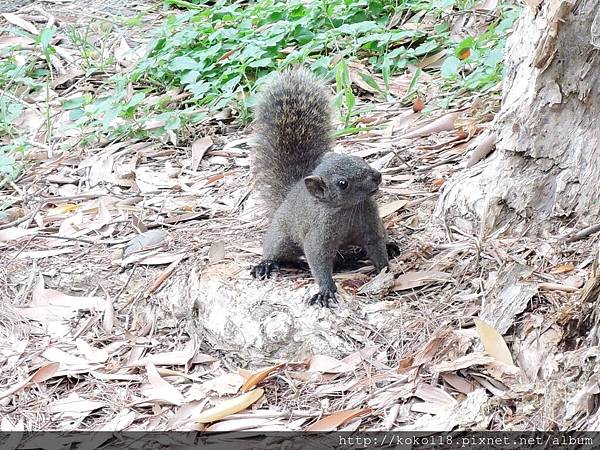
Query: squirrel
point(318, 201)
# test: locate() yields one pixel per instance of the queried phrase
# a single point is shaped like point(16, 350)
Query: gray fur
point(321, 201)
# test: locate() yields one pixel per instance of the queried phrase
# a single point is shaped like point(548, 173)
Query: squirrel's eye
point(343, 184)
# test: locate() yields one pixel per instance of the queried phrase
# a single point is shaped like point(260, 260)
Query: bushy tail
point(293, 124)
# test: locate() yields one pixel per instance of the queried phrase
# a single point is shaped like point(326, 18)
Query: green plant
point(218, 54)
point(475, 63)
point(222, 53)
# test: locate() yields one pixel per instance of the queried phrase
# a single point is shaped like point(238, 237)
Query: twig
point(583, 233)
point(26, 217)
point(66, 238)
point(557, 287)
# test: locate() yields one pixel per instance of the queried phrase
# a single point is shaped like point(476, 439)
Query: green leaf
point(413, 83)
point(7, 166)
point(303, 35)
point(189, 77)
point(45, 37)
point(76, 114)
point(450, 67)
point(199, 88)
point(232, 84)
point(251, 51)
point(13, 111)
point(342, 75)
point(425, 48)
point(358, 28)
point(494, 57)
point(74, 102)
point(370, 81)
point(264, 62)
point(109, 116)
point(181, 63)
point(443, 4)
point(350, 100)
point(465, 44)
point(136, 99)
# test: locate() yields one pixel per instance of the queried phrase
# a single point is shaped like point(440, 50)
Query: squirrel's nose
point(377, 176)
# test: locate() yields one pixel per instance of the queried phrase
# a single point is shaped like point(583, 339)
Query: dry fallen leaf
point(52, 297)
point(145, 241)
point(123, 53)
point(164, 275)
point(9, 41)
point(68, 362)
point(493, 342)
point(484, 143)
point(418, 104)
point(241, 424)
point(431, 60)
point(121, 421)
point(40, 254)
point(229, 407)
point(411, 280)
point(108, 318)
point(244, 373)
point(42, 374)
point(13, 233)
point(20, 22)
point(174, 358)
point(259, 376)
point(161, 389)
point(94, 355)
point(60, 210)
point(358, 78)
point(562, 268)
point(6, 425)
point(435, 395)
point(199, 148)
point(472, 359)
point(392, 207)
point(327, 364)
point(333, 421)
point(216, 252)
point(458, 383)
point(73, 406)
point(533, 4)
point(444, 123)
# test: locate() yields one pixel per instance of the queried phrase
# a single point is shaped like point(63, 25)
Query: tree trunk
point(547, 158)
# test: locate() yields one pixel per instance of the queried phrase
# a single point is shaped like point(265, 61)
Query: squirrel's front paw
point(264, 269)
point(325, 298)
point(393, 249)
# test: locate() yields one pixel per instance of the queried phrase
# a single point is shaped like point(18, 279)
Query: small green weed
point(220, 53)
point(476, 62)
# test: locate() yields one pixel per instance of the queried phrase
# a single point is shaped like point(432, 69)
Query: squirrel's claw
point(324, 298)
point(393, 249)
point(264, 269)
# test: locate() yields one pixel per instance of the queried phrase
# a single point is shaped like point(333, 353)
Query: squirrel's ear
point(316, 186)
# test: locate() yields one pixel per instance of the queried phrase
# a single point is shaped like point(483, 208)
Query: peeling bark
point(547, 158)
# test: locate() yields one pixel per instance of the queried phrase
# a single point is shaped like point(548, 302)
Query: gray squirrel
point(319, 201)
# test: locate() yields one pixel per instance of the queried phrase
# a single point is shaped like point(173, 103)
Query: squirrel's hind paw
point(325, 298)
point(393, 249)
point(264, 269)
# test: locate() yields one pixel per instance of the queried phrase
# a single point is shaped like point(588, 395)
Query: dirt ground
point(13, 5)
point(106, 248)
